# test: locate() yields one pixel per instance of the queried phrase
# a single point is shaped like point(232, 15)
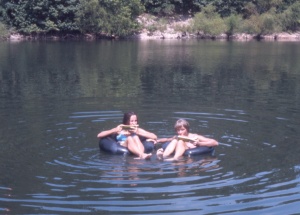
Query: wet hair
point(126, 117)
point(182, 122)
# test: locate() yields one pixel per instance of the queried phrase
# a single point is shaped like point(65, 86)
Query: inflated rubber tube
point(195, 151)
point(200, 150)
point(110, 145)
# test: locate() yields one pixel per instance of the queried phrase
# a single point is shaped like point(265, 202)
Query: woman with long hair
point(128, 133)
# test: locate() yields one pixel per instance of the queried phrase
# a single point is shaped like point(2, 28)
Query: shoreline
point(153, 29)
point(292, 37)
point(158, 35)
point(170, 30)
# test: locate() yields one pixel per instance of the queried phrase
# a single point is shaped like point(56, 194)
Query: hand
point(196, 143)
point(134, 130)
point(118, 128)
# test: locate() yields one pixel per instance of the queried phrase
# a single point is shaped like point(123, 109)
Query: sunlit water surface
point(55, 97)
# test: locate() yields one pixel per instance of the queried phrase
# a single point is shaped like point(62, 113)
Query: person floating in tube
point(183, 141)
point(127, 135)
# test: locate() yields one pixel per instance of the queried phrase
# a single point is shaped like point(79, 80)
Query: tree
point(209, 22)
point(174, 7)
point(290, 18)
point(92, 18)
point(41, 16)
point(228, 7)
point(159, 7)
point(109, 17)
point(233, 23)
point(261, 24)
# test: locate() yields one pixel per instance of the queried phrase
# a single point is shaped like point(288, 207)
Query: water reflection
point(80, 69)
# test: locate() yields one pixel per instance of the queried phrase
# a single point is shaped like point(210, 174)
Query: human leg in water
point(179, 150)
point(177, 146)
point(161, 154)
point(136, 147)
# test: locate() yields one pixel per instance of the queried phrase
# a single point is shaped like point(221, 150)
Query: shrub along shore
point(154, 28)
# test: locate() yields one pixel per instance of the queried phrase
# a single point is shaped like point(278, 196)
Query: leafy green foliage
point(264, 6)
point(119, 17)
point(173, 7)
point(159, 7)
point(111, 17)
point(290, 18)
point(233, 24)
point(265, 23)
point(3, 31)
point(229, 7)
point(209, 22)
point(91, 17)
point(42, 16)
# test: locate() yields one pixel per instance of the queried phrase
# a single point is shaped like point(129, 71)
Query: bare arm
point(144, 133)
point(204, 141)
point(166, 139)
point(109, 132)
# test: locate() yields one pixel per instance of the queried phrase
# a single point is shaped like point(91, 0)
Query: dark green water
point(56, 96)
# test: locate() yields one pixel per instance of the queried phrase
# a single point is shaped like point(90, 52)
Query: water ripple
point(242, 177)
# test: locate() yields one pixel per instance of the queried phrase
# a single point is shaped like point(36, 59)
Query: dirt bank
point(153, 29)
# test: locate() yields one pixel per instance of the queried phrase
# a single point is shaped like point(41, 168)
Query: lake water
point(56, 96)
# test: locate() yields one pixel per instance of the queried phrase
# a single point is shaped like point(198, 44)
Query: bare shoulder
point(200, 137)
point(142, 130)
point(194, 136)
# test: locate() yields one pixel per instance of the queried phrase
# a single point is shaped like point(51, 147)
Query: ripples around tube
point(82, 179)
